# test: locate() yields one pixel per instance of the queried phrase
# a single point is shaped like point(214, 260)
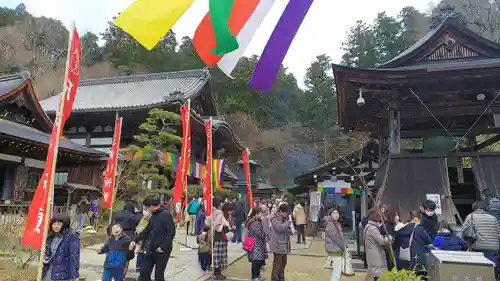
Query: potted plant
point(401, 275)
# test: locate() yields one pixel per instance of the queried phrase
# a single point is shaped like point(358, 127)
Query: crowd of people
point(148, 236)
point(392, 238)
point(404, 238)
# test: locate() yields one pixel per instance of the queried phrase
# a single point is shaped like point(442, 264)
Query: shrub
point(401, 275)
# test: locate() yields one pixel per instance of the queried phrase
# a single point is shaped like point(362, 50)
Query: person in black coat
point(428, 218)
point(157, 239)
point(239, 216)
point(127, 218)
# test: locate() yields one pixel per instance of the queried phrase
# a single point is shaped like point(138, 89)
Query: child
point(204, 246)
point(143, 223)
point(446, 240)
point(117, 254)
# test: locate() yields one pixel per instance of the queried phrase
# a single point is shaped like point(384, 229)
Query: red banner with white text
point(109, 180)
point(181, 173)
point(35, 222)
point(73, 75)
point(207, 180)
point(246, 166)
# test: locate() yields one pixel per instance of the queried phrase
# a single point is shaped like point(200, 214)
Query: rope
point(432, 114)
point(477, 120)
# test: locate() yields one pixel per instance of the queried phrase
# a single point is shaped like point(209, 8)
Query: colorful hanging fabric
point(276, 48)
point(148, 21)
point(207, 180)
point(220, 11)
point(204, 40)
point(228, 62)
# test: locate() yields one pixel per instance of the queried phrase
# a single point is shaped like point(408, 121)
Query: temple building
point(24, 139)
point(435, 110)
point(100, 101)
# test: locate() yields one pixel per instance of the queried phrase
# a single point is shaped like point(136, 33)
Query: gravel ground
point(299, 268)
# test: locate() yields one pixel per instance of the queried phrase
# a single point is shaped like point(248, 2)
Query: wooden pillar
point(394, 131)
point(88, 138)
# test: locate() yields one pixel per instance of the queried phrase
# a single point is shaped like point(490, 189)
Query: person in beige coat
point(300, 221)
point(374, 246)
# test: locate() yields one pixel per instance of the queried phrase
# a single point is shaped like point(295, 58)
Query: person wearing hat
point(157, 239)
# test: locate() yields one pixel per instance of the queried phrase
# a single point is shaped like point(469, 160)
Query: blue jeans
point(113, 274)
point(237, 234)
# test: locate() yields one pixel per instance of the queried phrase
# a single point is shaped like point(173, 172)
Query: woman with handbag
point(335, 245)
point(221, 228)
point(255, 242)
point(375, 243)
point(402, 235)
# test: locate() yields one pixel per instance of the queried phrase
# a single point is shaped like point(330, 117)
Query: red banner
point(108, 187)
point(207, 180)
point(38, 210)
point(246, 166)
point(72, 75)
point(182, 168)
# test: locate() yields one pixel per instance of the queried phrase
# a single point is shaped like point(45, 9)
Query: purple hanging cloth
point(276, 48)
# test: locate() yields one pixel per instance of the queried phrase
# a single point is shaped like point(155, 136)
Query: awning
point(26, 133)
point(410, 179)
point(78, 186)
point(486, 173)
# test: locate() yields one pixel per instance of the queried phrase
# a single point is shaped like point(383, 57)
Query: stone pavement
point(184, 266)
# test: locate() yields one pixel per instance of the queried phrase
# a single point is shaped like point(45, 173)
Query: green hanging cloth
point(220, 11)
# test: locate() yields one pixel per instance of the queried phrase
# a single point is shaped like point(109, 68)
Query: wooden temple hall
point(435, 110)
point(24, 138)
point(100, 101)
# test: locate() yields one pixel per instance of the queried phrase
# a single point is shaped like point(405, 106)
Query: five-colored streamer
point(276, 48)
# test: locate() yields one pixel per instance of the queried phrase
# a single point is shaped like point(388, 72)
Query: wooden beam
point(412, 112)
point(454, 132)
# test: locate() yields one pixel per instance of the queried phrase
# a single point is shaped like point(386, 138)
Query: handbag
point(249, 243)
point(405, 253)
point(469, 233)
point(347, 269)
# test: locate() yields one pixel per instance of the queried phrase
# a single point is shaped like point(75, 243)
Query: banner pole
point(186, 175)
point(117, 177)
point(211, 186)
point(58, 123)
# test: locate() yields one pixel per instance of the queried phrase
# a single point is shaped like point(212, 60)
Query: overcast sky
point(322, 31)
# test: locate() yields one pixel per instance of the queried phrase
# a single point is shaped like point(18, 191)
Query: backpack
point(494, 208)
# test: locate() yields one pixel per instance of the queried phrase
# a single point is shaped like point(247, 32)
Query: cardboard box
point(459, 266)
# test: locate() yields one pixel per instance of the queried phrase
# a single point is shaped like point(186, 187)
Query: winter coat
point(279, 235)
point(430, 223)
point(193, 206)
point(127, 219)
point(299, 215)
point(65, 264)
point(266, 221)
point(256, 229)
point(448, 241)
point(239, 214)
point(159, 233)
point(402, 234)
point(420, 244)
point(487, 229)
point(374, 248)
point(334, 238)
point(200, 221)
point(117, 252)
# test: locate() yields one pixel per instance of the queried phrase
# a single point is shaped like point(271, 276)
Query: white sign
point(436, 198)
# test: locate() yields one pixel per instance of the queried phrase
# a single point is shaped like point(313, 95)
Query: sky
point(322, 32)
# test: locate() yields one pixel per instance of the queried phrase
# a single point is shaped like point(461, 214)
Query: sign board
point(436, 198)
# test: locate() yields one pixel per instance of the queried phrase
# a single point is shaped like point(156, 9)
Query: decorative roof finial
point(447, 11)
